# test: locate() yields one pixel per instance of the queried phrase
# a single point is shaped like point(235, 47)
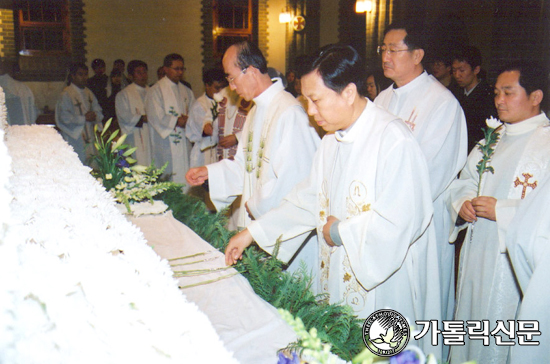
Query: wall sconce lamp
point(362, 6)
point(284, 16)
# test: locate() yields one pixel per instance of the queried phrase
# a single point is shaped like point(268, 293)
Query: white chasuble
point(231, 118)
point(130, 107)
point(204, 147)
point(164, 103)
point(19, 101)
point(437, 121)
point(529, 250)
point(275, 152)
point(374, 179)
point(487, 288)
point(70, 118)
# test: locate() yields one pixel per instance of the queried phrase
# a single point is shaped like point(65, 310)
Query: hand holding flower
point(485, 207)
point(467, 212)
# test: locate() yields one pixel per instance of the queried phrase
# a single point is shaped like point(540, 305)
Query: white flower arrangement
point(79, 283)
point(130, 185)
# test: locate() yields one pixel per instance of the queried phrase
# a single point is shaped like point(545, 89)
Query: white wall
point(146, 30)
point(329, 22)
point(276, 36)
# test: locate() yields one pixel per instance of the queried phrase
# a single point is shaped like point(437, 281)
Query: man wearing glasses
point(276, 148)
point(167, 106)
point(437, 121)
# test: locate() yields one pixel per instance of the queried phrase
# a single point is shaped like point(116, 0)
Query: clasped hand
point(482, 206)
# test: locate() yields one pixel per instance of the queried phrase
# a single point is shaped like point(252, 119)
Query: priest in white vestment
point(167, 106)
point(232, 112)
point(19, 99)
point(437, 122)
point(202, 126)
point(130, 111)
point(529, 250)
point(77, 112)
point(367, 195)
point(487, 288)
point(275, 151)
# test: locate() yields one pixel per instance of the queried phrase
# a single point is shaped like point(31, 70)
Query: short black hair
point(115, 72)
point(73, 69)
point(171, 58)
point(339, 65)
point(532, 77)
point(415, 38)
point(470, 55)
point(442, 57)
point(119, 61)
point(133, 64)
point(248, 54)
point(98, 62)
point(213, 74)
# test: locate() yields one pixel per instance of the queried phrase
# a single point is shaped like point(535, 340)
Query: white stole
point(176, 105)
point(258, 160)
point(82, 100)
point(141, 135)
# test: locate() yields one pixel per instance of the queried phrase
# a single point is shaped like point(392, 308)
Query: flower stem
point(210, 281)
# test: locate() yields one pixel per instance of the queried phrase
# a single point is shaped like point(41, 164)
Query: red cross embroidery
point(525, 183)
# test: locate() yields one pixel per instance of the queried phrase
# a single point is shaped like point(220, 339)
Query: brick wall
point(7, 34)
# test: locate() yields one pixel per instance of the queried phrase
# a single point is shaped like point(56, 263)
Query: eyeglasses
point(383, 49)
point(231, 80)
point(178, 68)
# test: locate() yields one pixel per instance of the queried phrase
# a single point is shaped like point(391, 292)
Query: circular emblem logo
point(386, 332)
point(299, 23)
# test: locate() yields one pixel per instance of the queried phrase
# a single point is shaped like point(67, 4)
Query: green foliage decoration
point(334, 324)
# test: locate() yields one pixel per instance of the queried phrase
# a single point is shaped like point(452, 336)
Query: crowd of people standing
point(396, 176)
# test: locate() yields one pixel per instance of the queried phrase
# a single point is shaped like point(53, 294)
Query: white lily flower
point(493, 123)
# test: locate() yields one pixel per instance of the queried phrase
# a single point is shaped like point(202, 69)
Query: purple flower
point(405, 357)
point(284, 360)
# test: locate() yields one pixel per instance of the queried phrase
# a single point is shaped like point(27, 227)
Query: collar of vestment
point(347, 136)
point(265, 97)
point(527, 125)
point(467, 93)
point(138, 87)
point(80, 90)
point(168, 81)
point(411, 86)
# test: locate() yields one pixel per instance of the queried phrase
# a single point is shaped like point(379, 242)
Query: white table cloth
point(249, 326)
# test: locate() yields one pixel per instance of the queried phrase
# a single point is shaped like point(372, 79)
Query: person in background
point(375, 83)
point(98, 82)
point(113, 88)
point(130, 111)
point(160, 72)
point(167, 106)
point(438, 124)
point(290, 81)
point(19, 98)
point(120, 65)
point(77, 112)
point(202, 127)
point(441, 68)
point(476, 96)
